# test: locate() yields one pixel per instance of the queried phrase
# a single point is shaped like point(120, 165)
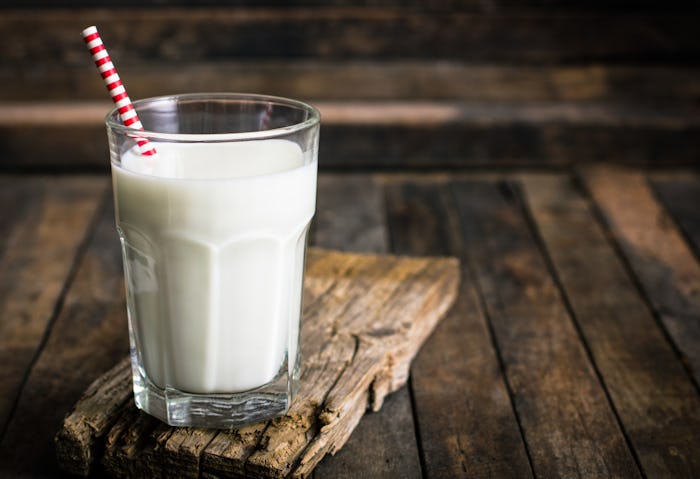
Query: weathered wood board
point(365, 318)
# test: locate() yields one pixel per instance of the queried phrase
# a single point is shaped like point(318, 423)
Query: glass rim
point(113, 122)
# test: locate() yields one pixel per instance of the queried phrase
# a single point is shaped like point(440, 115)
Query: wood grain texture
point(656, 402)
point(415, 135)
point(656, 251)
point(466, 423)
point(472, 421)
point(522, 36)
point(568, 424)
point(365, 318)
point(394, 79)
point(101, 403)
point(43, 223)
point(383, 444)
point(680, 194)
point(87, 337)
point(350, 216)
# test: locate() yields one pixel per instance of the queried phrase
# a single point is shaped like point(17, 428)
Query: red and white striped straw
point(115, 86)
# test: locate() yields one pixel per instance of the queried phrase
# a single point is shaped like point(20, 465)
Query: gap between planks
point(100, 192)
point(402, 113)
point(653, 398)
point(655, 251)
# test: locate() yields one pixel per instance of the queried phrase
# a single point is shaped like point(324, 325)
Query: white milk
point(214, 237)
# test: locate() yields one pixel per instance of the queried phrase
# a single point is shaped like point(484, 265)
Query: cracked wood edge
point(378, 292)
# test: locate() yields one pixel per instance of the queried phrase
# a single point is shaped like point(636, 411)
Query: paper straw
point(115, 86)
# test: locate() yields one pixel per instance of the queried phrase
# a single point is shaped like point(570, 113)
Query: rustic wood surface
point(382, 444)
point(414, 134)
point(460, 366)
point(532, 35)
point(680, 194)
point(657, 252)
point(365, 318)
point(650, 386)
point(559, 357)
point(485, 130)
point(44, 224)
point(477, 84)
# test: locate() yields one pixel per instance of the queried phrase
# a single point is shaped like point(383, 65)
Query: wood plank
point(88, 336)
point(568, 424)
point(656, 402)
point(350, 216)
point(469, 5)
point(382, 445)
point(79, 450)
point(423, 135)
point(365, 80)
point(656, 251)
point(365, 317)
point(680, 195)
point(465, 418)
point(181, 34)
point(405, 113)
point(19, 198)
point(511, 134)
point(43, 223)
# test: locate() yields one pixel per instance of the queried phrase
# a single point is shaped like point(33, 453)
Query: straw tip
point(89, 31)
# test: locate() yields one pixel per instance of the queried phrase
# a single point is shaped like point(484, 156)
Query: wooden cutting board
point(365, 317)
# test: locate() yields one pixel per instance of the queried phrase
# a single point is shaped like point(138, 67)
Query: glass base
point(218, 411)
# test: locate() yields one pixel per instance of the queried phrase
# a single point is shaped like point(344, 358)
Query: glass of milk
point(213, 232)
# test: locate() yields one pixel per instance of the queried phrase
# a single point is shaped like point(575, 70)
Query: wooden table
point(465, 128)
point(573, 348)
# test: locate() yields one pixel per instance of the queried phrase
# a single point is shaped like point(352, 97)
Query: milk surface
point(213, 238)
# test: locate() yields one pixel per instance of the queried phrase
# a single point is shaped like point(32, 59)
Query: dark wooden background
point(401, 85)
point(474, 128)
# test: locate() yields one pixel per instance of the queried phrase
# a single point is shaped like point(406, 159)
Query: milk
point(213, 238)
